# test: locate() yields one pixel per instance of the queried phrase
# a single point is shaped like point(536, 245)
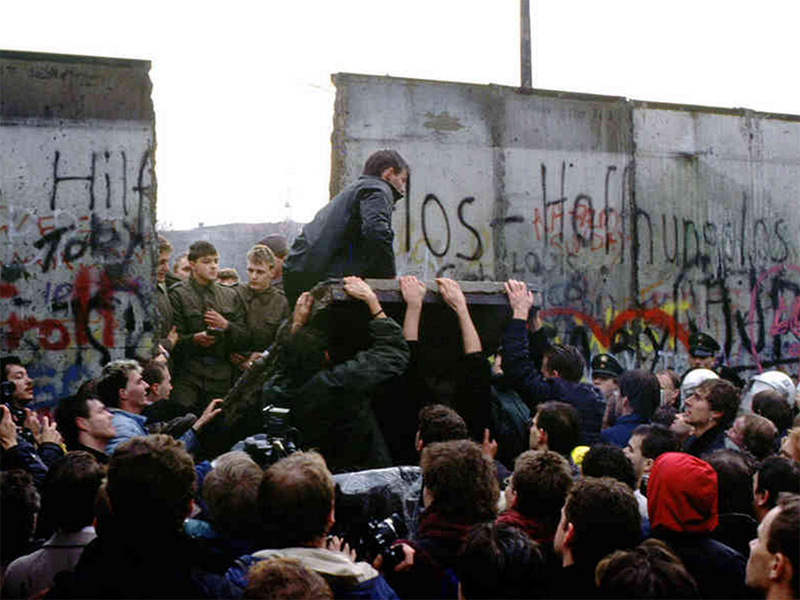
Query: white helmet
point(769, 380)
point(694, 378)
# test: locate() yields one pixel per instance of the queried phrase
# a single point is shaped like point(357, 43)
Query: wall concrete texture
point(77, 206)
point(639, 222)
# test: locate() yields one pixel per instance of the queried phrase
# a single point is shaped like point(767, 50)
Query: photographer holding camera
point(296, 503)
point(32, 445)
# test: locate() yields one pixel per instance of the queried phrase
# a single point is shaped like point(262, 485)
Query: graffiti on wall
point(617, 277)
point(76, 262)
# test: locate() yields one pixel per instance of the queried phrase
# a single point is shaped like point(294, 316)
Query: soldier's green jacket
point(266, 309)
point(189, 303)
point(164, 307)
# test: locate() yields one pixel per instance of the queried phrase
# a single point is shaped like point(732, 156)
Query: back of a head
point(542, 479)
point(682, 494)
point(562, 424)
point(734, 481)
point(304, 354)
point(605, 460)
point(664, 415)
point(784, 535)
point(771, 405)
point(567, 360)
point(769, 380)
point(154, 371)
point(500, 561)
point(295, 499)
point(285, 578)
point(381, 160)
point(70, 489)
point(760, 436)
point(658, 441)
point(777, 474)
point(440, 423)
point(70, 408)
point(643, 391)
point(277, 243)
point(230, 492)
point(20, 503)
point(151, 481)
point(650, 570)
point(723, 396)
point(463, 482)
point(605, 517)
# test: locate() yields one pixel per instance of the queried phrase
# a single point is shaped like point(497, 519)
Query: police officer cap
point(701, 344)
point(606, 365)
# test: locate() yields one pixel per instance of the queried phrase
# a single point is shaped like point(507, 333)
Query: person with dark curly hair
point(599, 516)
point(651, 570)
point(500, 561)
point(710, 410)
point(142, 551)
point(459, 490)
point(535, 494)
point(21, 503)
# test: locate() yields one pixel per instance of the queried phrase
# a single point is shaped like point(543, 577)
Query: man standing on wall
point(352, 234)
point(210, 321)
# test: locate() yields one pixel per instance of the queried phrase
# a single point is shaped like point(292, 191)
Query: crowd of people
point(534, 472)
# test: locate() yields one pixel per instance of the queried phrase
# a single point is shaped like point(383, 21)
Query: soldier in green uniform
point(210, 322)
point(265, 304)
point(165, 330)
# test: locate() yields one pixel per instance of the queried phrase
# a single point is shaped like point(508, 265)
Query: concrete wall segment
point(77, 206)
point(639, 221)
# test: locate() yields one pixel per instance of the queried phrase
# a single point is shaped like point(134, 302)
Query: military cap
point(605, 365)
point(277, 243)
point(701, 345)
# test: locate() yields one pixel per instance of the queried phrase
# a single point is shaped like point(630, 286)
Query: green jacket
point(333, 409)
point(189, 303)
point(266, 309)
point(164, 307)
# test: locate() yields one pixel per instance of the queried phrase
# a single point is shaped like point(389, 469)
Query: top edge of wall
point(73, 59)
point(636, 104)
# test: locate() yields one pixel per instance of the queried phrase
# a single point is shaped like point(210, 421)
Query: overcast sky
point(244, 101)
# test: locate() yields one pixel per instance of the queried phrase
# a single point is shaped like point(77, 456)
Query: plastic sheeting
point(375, 494)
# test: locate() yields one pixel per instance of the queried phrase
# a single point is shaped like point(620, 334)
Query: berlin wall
point(77, 205)
point(639, 222)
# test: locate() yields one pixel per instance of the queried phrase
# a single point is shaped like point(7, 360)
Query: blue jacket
point(129, 425)
point(619, 433)
point(534, 388)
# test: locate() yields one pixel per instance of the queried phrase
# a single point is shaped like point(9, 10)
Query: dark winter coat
point(351, 235)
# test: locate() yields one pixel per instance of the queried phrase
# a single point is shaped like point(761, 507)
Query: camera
point(377, 536)
point(18, 415)
point(278, 441)
point(214, 331)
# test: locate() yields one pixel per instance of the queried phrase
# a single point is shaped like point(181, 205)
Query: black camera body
point(377, 537)
point(6, 393)
point(278, 441)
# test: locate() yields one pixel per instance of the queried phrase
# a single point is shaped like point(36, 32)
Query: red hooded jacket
point(682, 494)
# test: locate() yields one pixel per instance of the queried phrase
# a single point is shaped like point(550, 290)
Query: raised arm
point(454, 297)
point(413, 292)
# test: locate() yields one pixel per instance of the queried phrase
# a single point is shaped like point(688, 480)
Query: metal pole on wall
point(526, 71)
